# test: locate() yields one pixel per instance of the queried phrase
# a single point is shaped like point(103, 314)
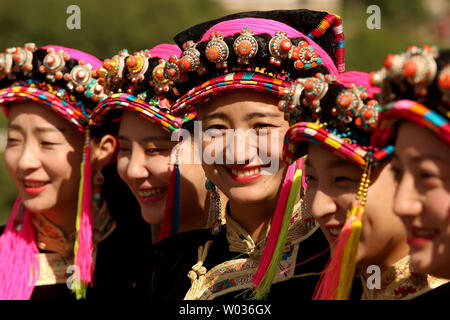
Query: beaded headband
point(419, 80)
point(224, 83)
point(343, 128)
point(153, 110)
point(137, 83)
point(63, 79)
point(244, 46)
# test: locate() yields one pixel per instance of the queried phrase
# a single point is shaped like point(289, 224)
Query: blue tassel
point(176, 207)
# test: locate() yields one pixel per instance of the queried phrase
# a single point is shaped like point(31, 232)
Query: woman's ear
point(102, 152)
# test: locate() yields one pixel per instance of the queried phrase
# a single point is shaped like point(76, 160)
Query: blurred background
point(109, 26)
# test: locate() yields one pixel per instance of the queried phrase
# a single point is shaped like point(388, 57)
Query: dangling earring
point(215, 208)
point(97, 183)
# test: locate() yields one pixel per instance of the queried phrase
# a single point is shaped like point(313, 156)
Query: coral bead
point(285, 45)
point(368, 114)
point(212, 54)
point(50, 60)
point(444, 81)
point(409, 68)
point(388, 61)
point(345, 100)
point(244, 48)
point(107, 64)
point(131, 62)
point(184, 64)
point(81, 74)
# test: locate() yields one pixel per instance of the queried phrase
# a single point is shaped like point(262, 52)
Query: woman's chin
point(154, 215)
point(36, 205)
point(247, 195)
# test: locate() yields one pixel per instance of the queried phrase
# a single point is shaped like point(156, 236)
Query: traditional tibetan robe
point(197, 265)
point(401, 282)
point(116, 261)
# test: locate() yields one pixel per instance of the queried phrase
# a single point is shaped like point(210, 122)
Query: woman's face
point(43, 157)
point(332, 186)
point(422, 167)
point(243, 134)
point(145, 164)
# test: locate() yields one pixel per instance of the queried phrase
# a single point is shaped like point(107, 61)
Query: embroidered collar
point(302, 225)
point(399, 282)
point(50, 237)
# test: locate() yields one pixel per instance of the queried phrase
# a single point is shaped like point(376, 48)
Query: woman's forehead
point(242, 101)
point(319, 157)
point(38, 114)
point(416, 142)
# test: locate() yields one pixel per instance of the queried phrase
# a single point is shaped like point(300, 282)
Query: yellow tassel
point(349, 259)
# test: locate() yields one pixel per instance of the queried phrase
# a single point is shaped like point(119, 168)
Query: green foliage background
point(109, 26)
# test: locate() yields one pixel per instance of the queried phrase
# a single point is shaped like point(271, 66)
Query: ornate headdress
point(338, 115)
point(415, 85)
point(262, 51)
point(137, 82)
point(255, 50)
point(66, 81)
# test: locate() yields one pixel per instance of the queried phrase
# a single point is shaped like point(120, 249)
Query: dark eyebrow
point(432, 157)
point(38, 129)
point(421, 157)
point(252, 115)
point(333, 164)
point(217, 115)
point(48, 129)
point(13, 126)
point(149, 138)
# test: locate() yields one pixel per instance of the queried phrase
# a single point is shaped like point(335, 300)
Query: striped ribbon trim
point(413, 111)
point(239, 80)
point(68, 110)
point(153, 111)
point(334, 21)
point(315, 133)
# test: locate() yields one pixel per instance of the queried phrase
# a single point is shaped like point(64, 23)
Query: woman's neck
point(194, 215)
point(387, 260)
point(253, 217)
point(63, 218)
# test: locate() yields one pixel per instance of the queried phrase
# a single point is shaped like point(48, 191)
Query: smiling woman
point(233, 71)
point(350, 192)
point(417, 121)
point(60, 233)
point(170, 192)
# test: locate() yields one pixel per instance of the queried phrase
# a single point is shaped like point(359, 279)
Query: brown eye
point(344, 179)
point(11, 142)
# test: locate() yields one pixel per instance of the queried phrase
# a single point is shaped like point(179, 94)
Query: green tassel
point(81, 291)
point(263, 289)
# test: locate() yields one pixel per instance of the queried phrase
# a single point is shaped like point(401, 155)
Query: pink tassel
point(275, 226)
point(19, 257)
point(83, 255)
point(329, 280)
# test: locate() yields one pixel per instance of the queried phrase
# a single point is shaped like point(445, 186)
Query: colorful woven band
point(316, 133)
point(334, 21)
point(153, 110)
point(239, 80)
point(415, 112)
point(54, 98)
